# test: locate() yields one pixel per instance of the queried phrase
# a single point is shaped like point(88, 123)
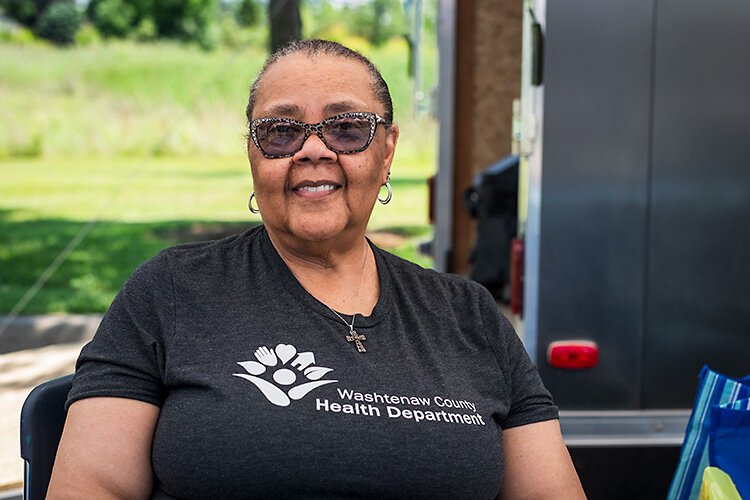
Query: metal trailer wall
point(698, 279)
point(645, 197)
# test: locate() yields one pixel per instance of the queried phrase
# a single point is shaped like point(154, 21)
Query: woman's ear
point(391, 139)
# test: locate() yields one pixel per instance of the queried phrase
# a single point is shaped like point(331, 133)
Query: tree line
point(199, 21)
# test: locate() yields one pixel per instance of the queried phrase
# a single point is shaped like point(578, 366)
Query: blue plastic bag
point(729, 442)
point(714, 389)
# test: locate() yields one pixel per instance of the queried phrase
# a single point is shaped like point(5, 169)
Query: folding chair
point(42, 419)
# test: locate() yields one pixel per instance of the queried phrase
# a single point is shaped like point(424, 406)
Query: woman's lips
point(315, 190)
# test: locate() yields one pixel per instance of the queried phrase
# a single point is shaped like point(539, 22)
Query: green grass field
point(148, 143)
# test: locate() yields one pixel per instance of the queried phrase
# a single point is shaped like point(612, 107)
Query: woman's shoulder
point(216, 247)
point(198, 257)
point(416, 275)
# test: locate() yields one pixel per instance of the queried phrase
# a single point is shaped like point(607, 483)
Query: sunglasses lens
point(279, 138)
point(348, 134)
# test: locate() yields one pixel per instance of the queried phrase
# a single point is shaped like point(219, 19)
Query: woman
point(299, 360)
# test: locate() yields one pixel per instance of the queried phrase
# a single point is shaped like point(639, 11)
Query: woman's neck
point(342, 276)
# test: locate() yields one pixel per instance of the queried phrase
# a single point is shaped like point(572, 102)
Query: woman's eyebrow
point(284, 110)
point(334, 108)
point(343, 107)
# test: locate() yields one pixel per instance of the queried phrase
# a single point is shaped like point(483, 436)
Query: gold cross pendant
point(357, 339)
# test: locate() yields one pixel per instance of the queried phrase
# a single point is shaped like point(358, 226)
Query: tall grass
point(122, 99)
point(129, 99)
point(150, 141)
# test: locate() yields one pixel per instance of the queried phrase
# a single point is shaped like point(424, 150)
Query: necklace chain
point(353, 335)
point(350, 325)
point(356, 295)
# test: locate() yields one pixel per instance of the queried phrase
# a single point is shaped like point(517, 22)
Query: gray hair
point(326, 47)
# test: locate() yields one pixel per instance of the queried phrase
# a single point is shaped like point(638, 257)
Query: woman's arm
point(105, 450)
point(537, 464)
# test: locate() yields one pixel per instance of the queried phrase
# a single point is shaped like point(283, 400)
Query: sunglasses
point(346, 133)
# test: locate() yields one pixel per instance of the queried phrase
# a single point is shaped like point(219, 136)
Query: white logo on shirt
point(282, 360)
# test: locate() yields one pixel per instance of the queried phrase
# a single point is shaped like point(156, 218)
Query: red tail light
point(573, 354)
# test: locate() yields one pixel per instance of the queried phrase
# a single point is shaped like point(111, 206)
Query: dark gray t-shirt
point(262, 396)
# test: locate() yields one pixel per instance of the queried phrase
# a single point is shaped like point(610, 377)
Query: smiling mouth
point(317, 189)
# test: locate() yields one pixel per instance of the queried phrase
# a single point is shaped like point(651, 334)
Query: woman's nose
point(314, 150)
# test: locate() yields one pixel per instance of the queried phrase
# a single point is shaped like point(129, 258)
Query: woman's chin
point(318, 231)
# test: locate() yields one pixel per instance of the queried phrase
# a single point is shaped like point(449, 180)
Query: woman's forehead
point(332, 84)
point(304, 61)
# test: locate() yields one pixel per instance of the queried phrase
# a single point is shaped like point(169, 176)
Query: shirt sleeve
point(529, 401)
point(126, 357)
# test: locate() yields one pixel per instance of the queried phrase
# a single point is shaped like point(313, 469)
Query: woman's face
point(317, 194)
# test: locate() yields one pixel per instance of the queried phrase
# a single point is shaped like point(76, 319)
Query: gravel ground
point(33, 349)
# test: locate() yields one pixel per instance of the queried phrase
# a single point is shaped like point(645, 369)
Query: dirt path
point(33, 350)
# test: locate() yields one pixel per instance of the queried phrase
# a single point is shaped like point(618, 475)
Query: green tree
point(113, 18)
point(59, 23)
point(377, 21)
point(319, 17)
point(189, 20)
point(26, 12)
point(247, 13)
point(184, 19)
